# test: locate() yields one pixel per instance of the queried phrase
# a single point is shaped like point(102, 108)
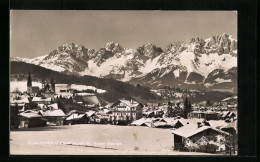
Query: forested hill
point(115, 89)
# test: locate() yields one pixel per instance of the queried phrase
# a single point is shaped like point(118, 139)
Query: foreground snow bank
point(91, 139)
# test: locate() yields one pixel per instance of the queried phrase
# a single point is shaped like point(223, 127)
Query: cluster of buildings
point(196, 134)
point(205, 129)
point(39, 107)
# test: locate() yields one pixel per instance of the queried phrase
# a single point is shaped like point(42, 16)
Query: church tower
point(52, 85)
point(29, 84)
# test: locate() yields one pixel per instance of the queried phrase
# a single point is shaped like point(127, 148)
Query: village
point(195, 127)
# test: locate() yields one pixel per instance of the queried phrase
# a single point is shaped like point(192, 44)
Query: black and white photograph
point(123, 82)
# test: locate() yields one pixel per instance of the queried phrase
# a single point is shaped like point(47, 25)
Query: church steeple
point(29, 84)
point(29, 81)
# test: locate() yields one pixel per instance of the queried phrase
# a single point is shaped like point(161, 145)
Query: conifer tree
point(187, 108)
point(15, 120)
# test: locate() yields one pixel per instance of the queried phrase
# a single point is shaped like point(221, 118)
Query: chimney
point(199, 124)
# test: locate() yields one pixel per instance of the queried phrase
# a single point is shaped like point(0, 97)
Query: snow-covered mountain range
point(208, 62)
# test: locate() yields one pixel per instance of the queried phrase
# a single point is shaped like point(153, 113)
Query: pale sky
point(39, 32)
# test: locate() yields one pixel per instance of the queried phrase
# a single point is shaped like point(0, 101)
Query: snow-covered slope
point(192, 62)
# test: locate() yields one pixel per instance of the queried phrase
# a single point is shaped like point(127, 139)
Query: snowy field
point(90, 139)
point(22, 85)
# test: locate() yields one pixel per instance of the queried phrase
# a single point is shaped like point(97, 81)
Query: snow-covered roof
point(30, 114)
point(142, 121)
point(160, 123)
point(75, 116)
point(54, 113)
point(192, 129)
point(171, 121)
point(190, 121)
point(90, 113)
point(217, 123)
point(39, 99)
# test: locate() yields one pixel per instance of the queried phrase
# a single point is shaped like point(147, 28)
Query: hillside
point(115, 89)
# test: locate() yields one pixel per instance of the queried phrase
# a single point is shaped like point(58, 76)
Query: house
point(20, 101)
point(228, 115)
point(77, 118)
point(30, 118)
point(199, 137)
point(126, 111)
point(208, 115)
point(93, 118)
point(54, 116)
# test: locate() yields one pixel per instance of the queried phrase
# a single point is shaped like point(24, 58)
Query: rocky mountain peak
point(193, 59)
point(114, 47)
point(149, 50)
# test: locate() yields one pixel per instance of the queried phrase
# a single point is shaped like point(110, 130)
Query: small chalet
point(93, 118)
point(199, 137)
point(30, 119)
point(77, 118)
point(54, 116)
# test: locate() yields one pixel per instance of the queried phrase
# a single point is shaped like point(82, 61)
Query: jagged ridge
point(190, 62)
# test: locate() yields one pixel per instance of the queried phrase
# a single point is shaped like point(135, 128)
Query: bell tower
point(29, 84)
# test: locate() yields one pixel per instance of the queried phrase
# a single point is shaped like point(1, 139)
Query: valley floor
point(90, 139)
